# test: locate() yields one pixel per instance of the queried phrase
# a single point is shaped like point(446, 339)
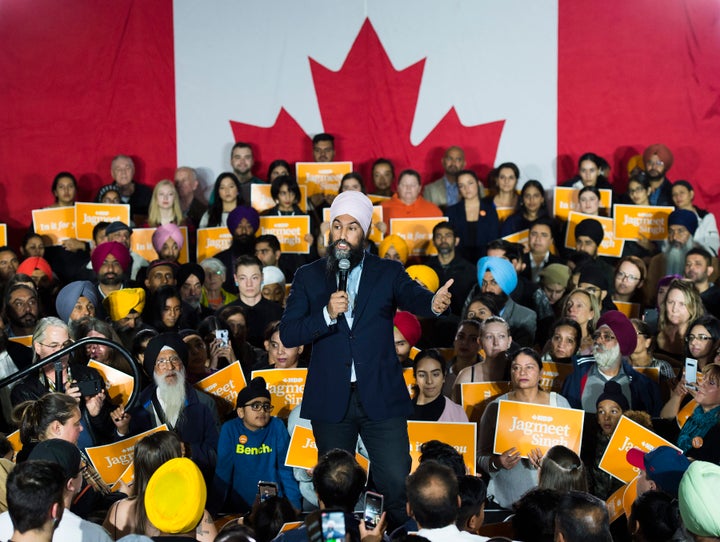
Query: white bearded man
point(171, 400)
point(615, 339)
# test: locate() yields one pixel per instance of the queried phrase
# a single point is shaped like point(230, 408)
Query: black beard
point(243, 244)
point(500, 299)
point(28, 320)
point(355, 255)
point(653, 175)
point(444, 249)
point(104, 279)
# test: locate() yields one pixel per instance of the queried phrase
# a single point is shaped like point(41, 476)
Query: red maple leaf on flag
point(369, 107)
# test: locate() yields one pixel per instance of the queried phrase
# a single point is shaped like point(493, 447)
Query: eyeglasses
point(658, 163)
point(701, 337)
point(258, 406)
point(174, 361)
point(605, 337)
point(56, 346)
point(630, 278)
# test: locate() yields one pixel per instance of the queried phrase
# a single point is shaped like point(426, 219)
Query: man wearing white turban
point(354, 383)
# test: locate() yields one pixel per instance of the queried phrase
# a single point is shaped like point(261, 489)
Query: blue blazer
point(487, 228)
point(384, 286)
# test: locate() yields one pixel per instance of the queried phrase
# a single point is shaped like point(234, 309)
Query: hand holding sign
point(442, 298)
point(508, 459)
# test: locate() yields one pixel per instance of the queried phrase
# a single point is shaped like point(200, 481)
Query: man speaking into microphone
point(354, 384)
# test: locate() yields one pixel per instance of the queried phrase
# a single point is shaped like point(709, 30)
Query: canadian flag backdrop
point(176, 83)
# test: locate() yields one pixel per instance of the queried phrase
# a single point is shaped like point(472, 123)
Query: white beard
point(171, 395)
point(607, 357)
point(675, 257)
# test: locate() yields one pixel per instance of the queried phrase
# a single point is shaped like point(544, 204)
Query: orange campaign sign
point(127, 477)
point(417, 233)
point(475, 396)
point(409, 378)
point(376, 236)
point(628, 434)
point(3, 234)
point(111, 460)
point(25, 340)
point(565, 200)
point(14, 440)
point(685, 412)
point(629, 496)
point(57, 223)
point(376, 200)
point(641, 221)
point(527, 426)
point(141, 243)
point(286, 387)
point(119, 385)
point(224, 385)
point(553, 375)
point(87, 215)
point(290, 526)
point(261, 197)
point(290, 231)
point(522, 237)
point(321, 177)
point(615, 504)
point(302, 451)
point(631, 310)
point(609, 246)
point(210, 241)
point(460, 435)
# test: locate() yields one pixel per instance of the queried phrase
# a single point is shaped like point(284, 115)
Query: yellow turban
point(425, 275)
point(175, 496)
point(396, 242)
point(636, 162)
point(119, 303)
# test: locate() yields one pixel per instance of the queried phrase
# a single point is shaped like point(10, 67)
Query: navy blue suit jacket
point(384, 286)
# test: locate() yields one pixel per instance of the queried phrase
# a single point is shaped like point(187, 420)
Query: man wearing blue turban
point(498, 277)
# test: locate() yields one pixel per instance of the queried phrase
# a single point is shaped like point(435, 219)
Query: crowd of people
point(355, 314)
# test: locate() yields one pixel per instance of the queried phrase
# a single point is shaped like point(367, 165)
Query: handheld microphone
point(344, 267)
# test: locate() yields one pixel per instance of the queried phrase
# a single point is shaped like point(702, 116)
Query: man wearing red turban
point(110, 261)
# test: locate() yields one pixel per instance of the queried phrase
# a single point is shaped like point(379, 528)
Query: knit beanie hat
point(256, 388)
point(613, 392)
